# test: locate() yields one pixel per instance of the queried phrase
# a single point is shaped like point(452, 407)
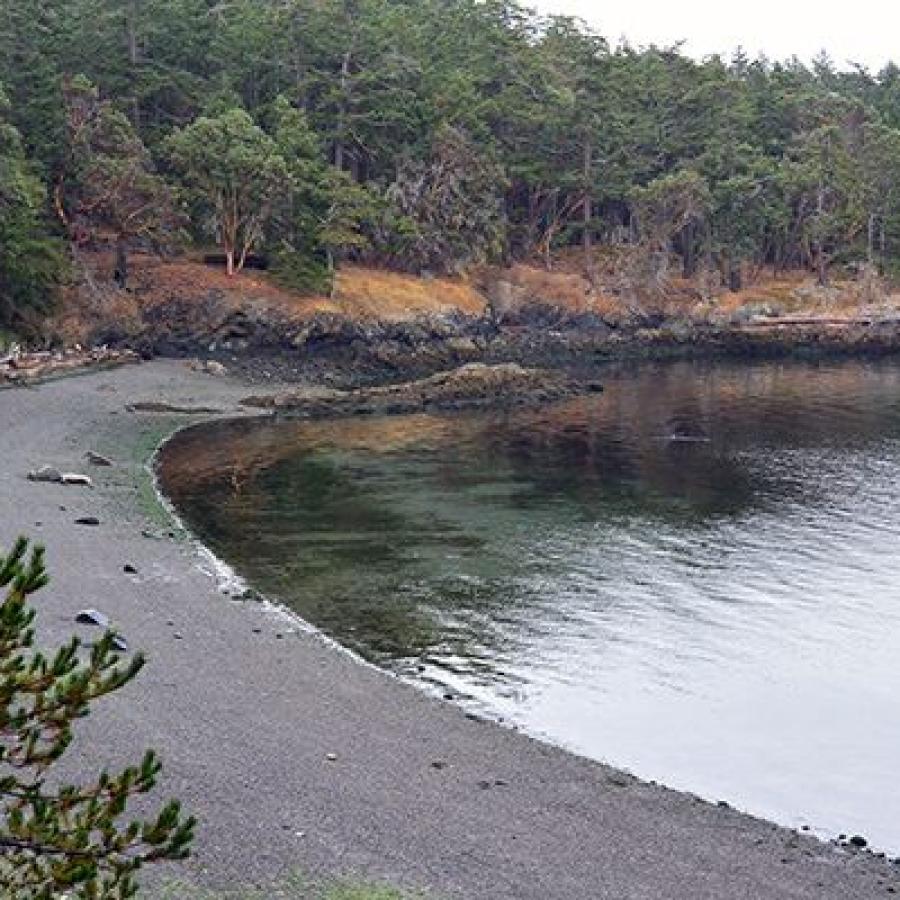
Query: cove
point(693, 576)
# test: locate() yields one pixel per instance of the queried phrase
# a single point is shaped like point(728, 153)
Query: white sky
point(864, 31)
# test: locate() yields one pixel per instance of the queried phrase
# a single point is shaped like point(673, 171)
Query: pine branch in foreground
point(70, 840)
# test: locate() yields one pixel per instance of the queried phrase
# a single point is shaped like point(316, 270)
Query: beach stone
point(92, 617)
point(47, 474)
point(76, 478)
point(212, 367)
point(97, 459)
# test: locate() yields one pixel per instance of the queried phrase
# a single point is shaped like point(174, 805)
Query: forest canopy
point(426, 136)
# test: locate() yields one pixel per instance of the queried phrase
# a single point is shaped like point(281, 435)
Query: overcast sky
point(865, 31)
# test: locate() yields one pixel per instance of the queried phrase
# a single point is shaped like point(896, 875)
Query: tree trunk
point(870, 249)
point(587, 206)
point(689, 250)
point(821, 262)
point(229, 261)
point(131, 16)
point(120, 274)
point(339, 146)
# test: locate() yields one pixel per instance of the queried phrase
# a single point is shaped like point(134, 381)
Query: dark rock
point(96, 459)
point(99, 619)
point(129, 569)
point(92, 617)
point(858, 841)
point(157, 406)
point(87, 520)
point(48, 474)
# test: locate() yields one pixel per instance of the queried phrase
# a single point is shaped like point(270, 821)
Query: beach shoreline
point(246, 708)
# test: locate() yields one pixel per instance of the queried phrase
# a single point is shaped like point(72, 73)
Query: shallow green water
point(694, 575)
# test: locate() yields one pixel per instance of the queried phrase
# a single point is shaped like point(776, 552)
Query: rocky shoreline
point(342, 351)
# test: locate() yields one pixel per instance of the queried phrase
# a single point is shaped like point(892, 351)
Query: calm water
point(694, 576)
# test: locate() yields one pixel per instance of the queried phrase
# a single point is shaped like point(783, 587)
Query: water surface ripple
point(693, 576)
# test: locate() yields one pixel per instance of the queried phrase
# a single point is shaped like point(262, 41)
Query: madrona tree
point(236, 175)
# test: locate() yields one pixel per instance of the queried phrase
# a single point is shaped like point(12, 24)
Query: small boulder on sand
point(52, 475)
point(97, 459)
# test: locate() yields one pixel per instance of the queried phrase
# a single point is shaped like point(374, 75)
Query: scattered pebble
point(129, 569)
point(331, 757)
point(177, 635)
point(101, 620)
point(858, 841)
point(87, 520)
point(439, 764)
point(96, 459)
point(92, 617)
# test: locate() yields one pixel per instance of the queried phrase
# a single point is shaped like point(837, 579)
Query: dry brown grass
point(378, 294)
point(93, 301)
point(93, 304)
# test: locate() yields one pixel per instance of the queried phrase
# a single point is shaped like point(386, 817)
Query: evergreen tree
point(31, 260)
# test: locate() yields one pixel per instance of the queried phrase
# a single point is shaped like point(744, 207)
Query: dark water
point(694, 576)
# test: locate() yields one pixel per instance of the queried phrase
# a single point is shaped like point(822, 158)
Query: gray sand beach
point(294, 756)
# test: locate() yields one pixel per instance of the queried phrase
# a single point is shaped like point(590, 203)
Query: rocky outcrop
point(472, 385)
